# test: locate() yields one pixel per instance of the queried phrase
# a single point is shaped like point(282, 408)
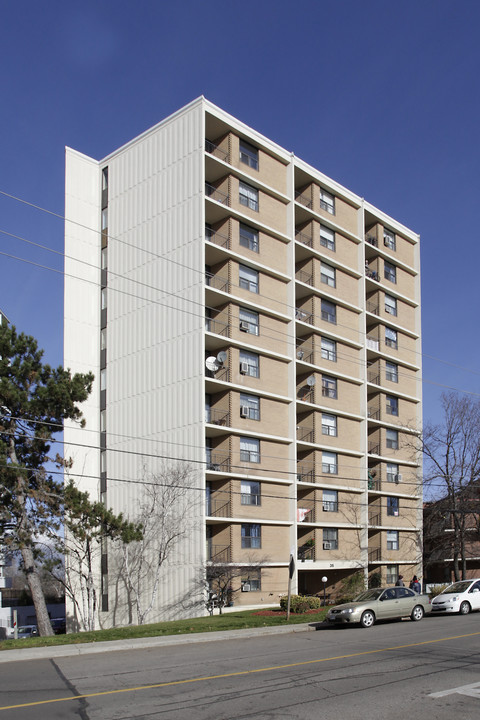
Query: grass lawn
point(228, 621)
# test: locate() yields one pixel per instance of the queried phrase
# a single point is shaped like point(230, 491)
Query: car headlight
point(454, 599)
point(348, 611)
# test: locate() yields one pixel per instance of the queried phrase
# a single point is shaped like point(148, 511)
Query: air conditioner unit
point(244, 326)
point(398, 478)
point(244, 368)
point(245, 587)
point(244, 411)
point(327, 546)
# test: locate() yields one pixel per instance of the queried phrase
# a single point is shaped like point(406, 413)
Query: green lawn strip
point(229, 621)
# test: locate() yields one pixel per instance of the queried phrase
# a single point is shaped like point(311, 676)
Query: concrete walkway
point(57, 651)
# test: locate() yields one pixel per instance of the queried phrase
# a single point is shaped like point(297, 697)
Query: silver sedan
point(381, 604)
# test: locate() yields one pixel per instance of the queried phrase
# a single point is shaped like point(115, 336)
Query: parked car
point(460, 597)
point(381, 604)
point(25, 631)
point(59, 626)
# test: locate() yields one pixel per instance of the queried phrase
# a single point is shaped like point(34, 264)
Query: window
point(104, 219)
point(392, 539)
point(330, 501)
point(103, 462)
point(389, 239)
point(103, 421)
point(104, 258)
point(327, 238)
point(251, 535)
point(392, 472)
point(103, 380)
point(392, 574)
point(249, 237)
point(248, 154)
point(329, 424)
point(391, 372)
point(329, 463)
point(249, 364)
point(327, 201)
point(329, 387)
point(248, 196)
point(248, 321)
point(103, 339)
point(329, 349)
point(391, 338)
point(392, 506)
point(329, 312)
point(250, 406)
point(250, 492)
point(390, 305)
point(392, 439)
point(390, 272)
point(330, 539)
point(105, 178)
point(248, 278)
point(252, 582)
point(249, 450)
point(327, 275)
point(392, 405)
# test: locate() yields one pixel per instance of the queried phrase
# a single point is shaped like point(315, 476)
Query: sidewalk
point(57, 651)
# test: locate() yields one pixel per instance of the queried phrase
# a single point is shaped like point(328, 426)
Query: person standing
point(400, 582)
point(415, 585)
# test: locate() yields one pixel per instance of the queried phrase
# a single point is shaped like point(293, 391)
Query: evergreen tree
point(35, 399)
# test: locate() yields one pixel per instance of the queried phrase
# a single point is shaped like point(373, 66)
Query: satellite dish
point(311, 380)
point(221, 357)
point(212, 363)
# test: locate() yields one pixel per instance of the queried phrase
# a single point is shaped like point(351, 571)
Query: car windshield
point(458, 587)
point(25, 629)
point(369, 595)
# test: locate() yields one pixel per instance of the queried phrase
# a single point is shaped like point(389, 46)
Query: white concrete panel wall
point(155, 330)
point(82, 307)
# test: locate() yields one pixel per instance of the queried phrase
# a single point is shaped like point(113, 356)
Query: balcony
point(218, 327)
point(305, 355)
point(304, 316)
point(218, 508)
point(214, 150)
point(374, 555)
point(374, 448)
point(215, 194)
point(372, 274)
point(218, 462)
point(218, 553)
point(306, 473)
point(304, 277)
point(217, 282)
point(373, 412)
point(372, 343)
point(306, 552)
point(373, 378)
point(372, 240)
point(305, 434)
point(304, 200)
point(305, 239)
point(373, 308)
point(305, 511)
point(374, 518)
point(217, 238)
point(217, 417)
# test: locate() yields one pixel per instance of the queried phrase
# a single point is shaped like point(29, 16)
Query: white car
point(460, 597)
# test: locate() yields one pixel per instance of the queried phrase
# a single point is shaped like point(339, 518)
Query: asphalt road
point(395, 670)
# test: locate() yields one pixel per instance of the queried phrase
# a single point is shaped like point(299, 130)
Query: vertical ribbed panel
point(155, 404)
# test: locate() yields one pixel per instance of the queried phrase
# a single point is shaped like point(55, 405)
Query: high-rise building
point(246, 315)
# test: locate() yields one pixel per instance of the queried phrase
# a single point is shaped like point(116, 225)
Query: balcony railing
point(372, 343)
point(373, 412)
point(305, 434)
point(219, 327)
point(372, 241)
point(305, 239)
point(304, 316)
point(373, 308)
point(218, 462)
point(374, 448)
point(372, 274)
point(373, 378)
point(217, 417)
point(222, 374)
point(306, 473)
point(374, 555)
point(218, 553)
point(215, 194)
point(305, 511)
point(374, 519)
point(305, 354)
point(306, 552)
point(304, 277)
point(303, 200)
point(217, 238)
point(217, 282)
point(213, 149)
point(218, 508)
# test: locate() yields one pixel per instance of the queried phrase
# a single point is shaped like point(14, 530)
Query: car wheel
point(464, 608)
point(417, 613)
point(367, 619)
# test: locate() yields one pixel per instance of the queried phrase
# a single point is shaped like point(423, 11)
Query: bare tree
point(166, 498)
point(225, 580)
point(452, 472)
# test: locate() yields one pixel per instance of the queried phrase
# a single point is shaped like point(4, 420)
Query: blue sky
point(381, 96)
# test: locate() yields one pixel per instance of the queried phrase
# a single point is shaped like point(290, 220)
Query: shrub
point(300, 603)
point(436, 590)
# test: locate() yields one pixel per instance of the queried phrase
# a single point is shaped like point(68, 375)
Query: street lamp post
point(324, 581)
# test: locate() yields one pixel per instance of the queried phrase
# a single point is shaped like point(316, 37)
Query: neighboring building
point(452, 536)
point(247, 314)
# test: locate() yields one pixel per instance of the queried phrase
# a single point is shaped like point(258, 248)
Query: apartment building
point(246, 315)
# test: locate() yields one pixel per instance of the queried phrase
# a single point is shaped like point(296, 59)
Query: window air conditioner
point(327, 546)
point(244, 411)
point(398, 478)
point(245, 587)
point(244, 368)
point(244, 326)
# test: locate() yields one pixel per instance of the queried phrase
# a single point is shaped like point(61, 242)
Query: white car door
point(474, 596)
